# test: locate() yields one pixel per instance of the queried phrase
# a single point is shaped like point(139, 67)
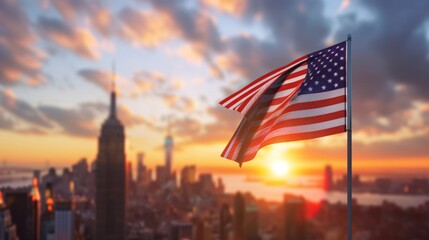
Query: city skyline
point(55, 75)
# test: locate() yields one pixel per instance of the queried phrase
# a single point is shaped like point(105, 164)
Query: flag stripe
point(255, 86)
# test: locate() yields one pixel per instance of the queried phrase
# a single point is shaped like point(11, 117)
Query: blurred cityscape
point(103, 200)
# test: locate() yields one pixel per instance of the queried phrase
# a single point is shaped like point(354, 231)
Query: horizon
point(55, 79)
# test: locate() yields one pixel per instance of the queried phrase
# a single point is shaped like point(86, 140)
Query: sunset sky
point(177, 59)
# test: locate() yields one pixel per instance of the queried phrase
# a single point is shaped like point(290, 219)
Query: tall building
point(328, 179)
point(251, 224)
point(188, 175)
point(239, 211)
point(224, 221)
point(168, 144)
point(294, 218)
point(64, 221)
point(110, 178)
point(36, 209)
point(180, 230)
point(140, 167)
point(7, 228)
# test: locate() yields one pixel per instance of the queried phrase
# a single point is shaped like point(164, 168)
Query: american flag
point(304, 99)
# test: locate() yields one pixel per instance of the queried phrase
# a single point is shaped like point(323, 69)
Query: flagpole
point(349, 137)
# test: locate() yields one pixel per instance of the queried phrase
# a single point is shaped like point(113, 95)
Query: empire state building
point(110, 178)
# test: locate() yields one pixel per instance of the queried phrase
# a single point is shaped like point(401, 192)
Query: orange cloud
point(146, 28)
point(19, 58)
point(79, 40)
point(235, 8)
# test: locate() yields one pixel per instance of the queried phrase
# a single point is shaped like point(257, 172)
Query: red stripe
point(304, 106)
point(295, 137)
point(304, 136)
point(297, 122)
point(244, 104)
point(262, 77)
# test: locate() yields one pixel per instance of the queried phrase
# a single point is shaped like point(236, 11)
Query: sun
point(280, 168)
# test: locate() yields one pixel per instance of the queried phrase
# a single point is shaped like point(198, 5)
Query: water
point(234, 183)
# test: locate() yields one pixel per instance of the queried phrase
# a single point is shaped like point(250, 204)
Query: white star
point(330, 60)
point(323, 87)
point(324, 66)
point(341, 78)
point(341, 58)
point(324, 55)
point(318, 72)
point(323, 76)
point(341, 68)
point(336, 54)
point(321, 63)
point(310, 89)
point(342, 49)
point(316, 82)
point(335, 64)
point(337, 47)
point(329, 50)
point(335, 73)
point(329, 69)
point(336, 85)
point(305, 84)
point(329, 80)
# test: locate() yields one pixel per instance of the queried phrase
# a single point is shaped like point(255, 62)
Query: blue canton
point(326, 70)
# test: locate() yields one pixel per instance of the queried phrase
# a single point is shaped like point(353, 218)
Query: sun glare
point(280, 168)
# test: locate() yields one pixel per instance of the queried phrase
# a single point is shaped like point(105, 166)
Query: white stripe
point(318, 96)
point(313, 112)
point(300, 114)
point(300, 129)
point(307, 128)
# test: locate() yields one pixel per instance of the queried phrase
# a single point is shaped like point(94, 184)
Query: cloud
point(20, 60)
point(194, 132)
point(101, 79)
point(78, 40)
point(76, 122)
point(23, 110)
point(235, 8)
point(129, 119)
point(5, 123)
point(72, 10)
point(170, 21)
point(145, 28)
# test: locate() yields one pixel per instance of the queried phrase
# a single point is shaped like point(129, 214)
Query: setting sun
point(280, 168)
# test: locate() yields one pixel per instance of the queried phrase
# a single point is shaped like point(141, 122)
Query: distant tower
point(328, 179)
point(251, 223)
point(110, 178)
point(168, 144)
point(225, 219)
point(35, 204)
point(294, 218)
point(239, 211)
point(64, 220)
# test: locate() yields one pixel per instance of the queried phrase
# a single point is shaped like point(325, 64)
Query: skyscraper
point(239, 211)
point(294, 220)
point(168, 144)
point(64, 221)
point(110, 178)
point(327, 185)
point(251, 224)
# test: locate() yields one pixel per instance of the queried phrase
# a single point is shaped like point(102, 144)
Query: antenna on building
point(113, 77)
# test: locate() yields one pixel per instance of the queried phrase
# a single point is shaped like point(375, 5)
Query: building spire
point(113, 94)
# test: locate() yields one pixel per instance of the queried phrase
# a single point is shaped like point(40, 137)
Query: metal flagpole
point(349, 137)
